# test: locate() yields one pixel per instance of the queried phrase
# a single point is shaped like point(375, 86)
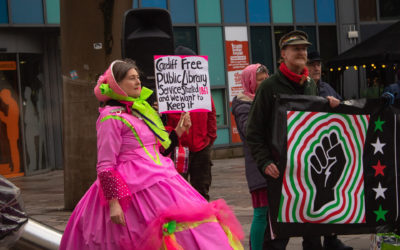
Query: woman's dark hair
point(120, 69)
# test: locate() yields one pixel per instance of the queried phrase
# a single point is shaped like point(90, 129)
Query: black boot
point(312, 243)
point(331, 242)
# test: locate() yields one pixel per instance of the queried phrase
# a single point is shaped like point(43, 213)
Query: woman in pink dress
point(139, 200)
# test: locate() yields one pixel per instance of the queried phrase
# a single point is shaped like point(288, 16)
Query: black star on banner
point(340, 167)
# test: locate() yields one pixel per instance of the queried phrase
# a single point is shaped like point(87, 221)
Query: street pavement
point(43, 196)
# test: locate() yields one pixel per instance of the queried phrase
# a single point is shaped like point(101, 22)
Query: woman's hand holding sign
point(184, 124)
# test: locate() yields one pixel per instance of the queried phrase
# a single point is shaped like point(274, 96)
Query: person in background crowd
point(291, 78)
point(199, 140)
point(374, 88)
point(251, 78)
point(394, 88)
point(314, 69)
point(139, 200)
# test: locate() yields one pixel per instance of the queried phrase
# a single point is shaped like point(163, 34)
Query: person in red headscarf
point(251, 78)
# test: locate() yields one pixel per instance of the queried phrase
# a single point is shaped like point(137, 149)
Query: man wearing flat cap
point(314, 68)
point(291, 78)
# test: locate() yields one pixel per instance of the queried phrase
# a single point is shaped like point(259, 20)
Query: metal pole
point(38, 236)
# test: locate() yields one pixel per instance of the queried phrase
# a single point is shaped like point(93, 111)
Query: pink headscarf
point(249, 80)
point(108, 77)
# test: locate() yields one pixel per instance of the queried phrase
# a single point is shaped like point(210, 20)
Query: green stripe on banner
point(292, 166)
point(295, 120)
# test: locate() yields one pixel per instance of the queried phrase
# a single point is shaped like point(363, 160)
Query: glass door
point(34, 110)
point(11, 163)
point(23, 133)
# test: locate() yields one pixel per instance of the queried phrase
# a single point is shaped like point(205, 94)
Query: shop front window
point(389, 9)
point(367, 10)
point(32, 82)
point(10, 137)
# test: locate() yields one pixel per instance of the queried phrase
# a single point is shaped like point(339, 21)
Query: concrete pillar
point(82, 25)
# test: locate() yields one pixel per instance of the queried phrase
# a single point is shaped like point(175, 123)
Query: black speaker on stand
point(147, 32)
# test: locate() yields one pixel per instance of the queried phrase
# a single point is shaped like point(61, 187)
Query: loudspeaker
point(147, 32)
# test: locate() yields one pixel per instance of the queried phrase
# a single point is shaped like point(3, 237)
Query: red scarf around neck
point(300, 79)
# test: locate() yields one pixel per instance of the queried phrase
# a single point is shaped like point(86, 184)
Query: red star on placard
point(379, 168)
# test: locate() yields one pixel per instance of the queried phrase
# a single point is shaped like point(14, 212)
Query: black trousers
point(309, 243)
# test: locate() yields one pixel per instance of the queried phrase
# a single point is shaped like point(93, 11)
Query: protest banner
point(339, 167)
point(182, 83)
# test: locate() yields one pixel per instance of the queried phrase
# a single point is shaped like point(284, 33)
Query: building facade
point(232, 33)
point(235, 32)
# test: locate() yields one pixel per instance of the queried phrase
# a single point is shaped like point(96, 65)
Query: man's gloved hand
point(388, 98)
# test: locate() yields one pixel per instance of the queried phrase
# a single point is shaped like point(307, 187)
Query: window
point(215, 53)
point(304, 11)
point(53, 11)
point(367, 9)
point(27, 12)
point(261, 46)
point(282, 11)
point(234, 11)
point(326, 11)
point(222, 136)
point(154, 3)
point(209, 11)
point(389, 9)
point(218, 96)
point(182, 11)
point(3, 11)
point(185, 36)
point(259, 11)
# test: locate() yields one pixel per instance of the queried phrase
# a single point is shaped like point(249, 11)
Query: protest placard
point(182, 83)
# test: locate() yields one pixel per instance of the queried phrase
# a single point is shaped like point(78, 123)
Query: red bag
point(181, 159)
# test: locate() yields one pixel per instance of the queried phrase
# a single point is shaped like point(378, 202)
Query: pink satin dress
point(161, 209)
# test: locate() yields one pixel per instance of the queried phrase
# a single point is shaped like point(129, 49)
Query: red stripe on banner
point(357, 190)
point(290, 114)
point(359, 128)
point(298, 127)
point(285, 186)
point(302, 204)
